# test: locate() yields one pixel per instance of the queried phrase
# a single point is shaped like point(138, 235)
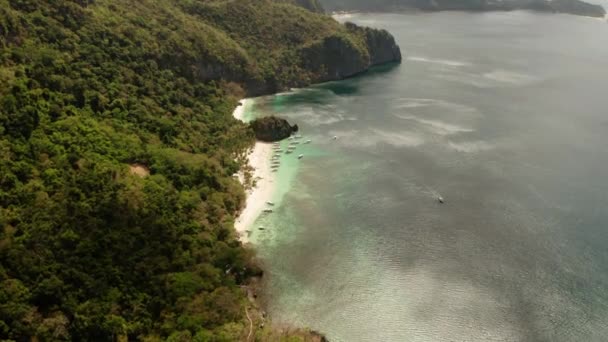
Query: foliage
point(90, 250)
point(271, 128)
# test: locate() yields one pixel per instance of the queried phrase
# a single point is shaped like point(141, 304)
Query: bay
point(503, 115)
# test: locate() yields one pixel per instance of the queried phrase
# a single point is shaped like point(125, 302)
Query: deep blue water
point(502, 114)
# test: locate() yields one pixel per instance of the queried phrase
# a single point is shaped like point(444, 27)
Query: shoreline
point(346, 14)
point(263, 181)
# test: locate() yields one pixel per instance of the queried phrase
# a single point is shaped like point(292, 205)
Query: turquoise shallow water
point(504, 115)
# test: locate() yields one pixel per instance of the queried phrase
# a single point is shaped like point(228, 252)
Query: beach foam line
point(259, 160)
point(437, 61)
point(240, 111)
point(436, 126)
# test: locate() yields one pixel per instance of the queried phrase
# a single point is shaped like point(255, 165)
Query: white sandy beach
point(259, 160)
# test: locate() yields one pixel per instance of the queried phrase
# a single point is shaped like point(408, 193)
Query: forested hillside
point(117, 150)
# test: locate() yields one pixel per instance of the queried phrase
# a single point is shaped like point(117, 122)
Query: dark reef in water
point(271, 129)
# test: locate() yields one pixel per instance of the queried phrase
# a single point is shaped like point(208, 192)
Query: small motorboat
point(288, 151)
point(440, 200)
point(300, 156)
point(335, 137)
point(270, 203)
point(268, 211)
point(308, 141)
point(262, 228)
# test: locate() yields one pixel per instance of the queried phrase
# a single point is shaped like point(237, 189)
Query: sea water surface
point(504, 115)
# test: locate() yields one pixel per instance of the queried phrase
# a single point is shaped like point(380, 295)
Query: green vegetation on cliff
point(271, 128)
point(117, 150)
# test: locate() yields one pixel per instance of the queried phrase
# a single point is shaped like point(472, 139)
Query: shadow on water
point(350, 86)
point(324, 93)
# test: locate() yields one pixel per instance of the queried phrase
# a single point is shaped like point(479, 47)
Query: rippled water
point(502, 114)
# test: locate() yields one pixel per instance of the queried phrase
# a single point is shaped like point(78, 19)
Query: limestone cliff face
point(338, 57)
point(380, 44)
point(271, 129)
point(266, 46)
point(311, 5)
point(334, 58)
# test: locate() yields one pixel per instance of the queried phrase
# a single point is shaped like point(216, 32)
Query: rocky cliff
point(270, 53)
point(311, 5)
point(340, 56)
point(271, 129)
point(335, 57)
point(380, 44)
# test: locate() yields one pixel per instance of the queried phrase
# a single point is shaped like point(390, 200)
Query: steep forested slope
point(117, 150)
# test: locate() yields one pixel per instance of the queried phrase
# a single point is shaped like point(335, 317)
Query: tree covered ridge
point(89, 250)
